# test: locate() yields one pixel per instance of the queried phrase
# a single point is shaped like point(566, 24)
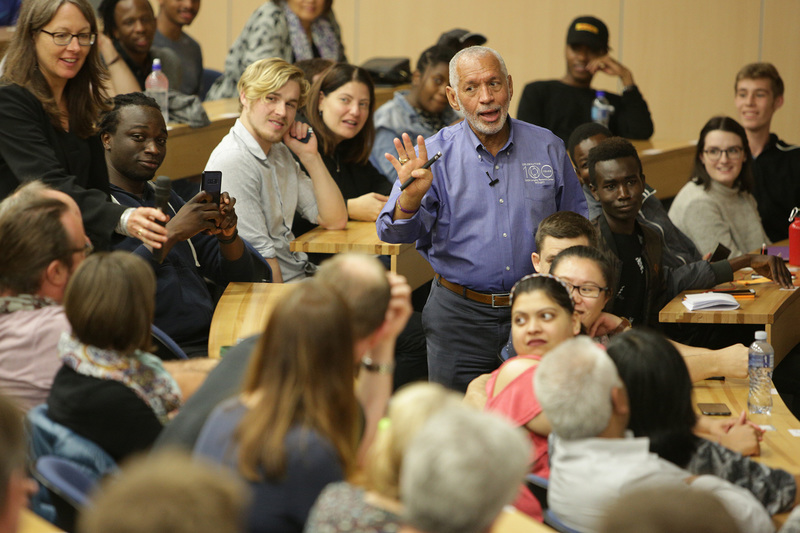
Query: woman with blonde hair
point(347, 507)
point(51, 95)
point(109, 389)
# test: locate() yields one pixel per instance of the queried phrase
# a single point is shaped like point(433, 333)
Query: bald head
point(362, 283)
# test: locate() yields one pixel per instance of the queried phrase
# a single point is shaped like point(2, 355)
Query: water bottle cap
point(600, 94)
point(761, 335)
point(156, 64)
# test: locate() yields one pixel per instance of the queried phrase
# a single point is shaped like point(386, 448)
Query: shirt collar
point(476, 143)
point(249, 141)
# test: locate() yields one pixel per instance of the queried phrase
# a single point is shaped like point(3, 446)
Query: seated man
point(593, 460)
point(560, 231)
point(256, 161)
point(131, 24)
point(421, 110)
point(43, 242)
point(562, 105)
point(172, 17)
point(644, 284)
point(202, 236)
point(459, 471)
point(776, 164)
point(678, 248)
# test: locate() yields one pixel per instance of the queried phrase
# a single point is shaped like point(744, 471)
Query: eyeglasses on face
point(587, 291)
point(62, 38)
point(734, 153)
point(87, 249)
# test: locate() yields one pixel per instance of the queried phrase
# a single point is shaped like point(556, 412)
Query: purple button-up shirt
point(481, 235)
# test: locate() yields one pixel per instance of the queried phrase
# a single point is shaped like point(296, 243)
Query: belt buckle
point(497, 306)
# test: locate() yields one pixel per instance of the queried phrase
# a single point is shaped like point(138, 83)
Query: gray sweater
point(718, 215)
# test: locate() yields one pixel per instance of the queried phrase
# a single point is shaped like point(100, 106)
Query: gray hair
point(473, 51)
point(573, 385)
point(460, 469)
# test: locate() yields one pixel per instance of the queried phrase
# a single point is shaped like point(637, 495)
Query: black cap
point(459, 38)
point(589, 31)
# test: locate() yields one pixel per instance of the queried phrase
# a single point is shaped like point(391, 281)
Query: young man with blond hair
point(776, 169)
point(259, 171)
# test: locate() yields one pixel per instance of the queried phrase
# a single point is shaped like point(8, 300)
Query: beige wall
point(684, 54)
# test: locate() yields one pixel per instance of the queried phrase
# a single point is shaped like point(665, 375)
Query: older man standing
point(476, 222)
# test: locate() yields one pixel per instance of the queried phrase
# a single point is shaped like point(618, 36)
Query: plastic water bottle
point(157, 86)
point(601, 109)
point(761, 360)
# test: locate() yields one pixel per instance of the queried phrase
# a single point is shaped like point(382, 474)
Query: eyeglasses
point(587, 291)
point(87, 249)
point(62, 38)
point(734, 153)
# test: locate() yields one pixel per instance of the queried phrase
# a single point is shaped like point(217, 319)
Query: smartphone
point(722, 252)
point(714, 409)
point(212, 184)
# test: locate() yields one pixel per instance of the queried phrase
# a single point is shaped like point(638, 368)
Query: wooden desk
point(777, 309)
point(513, 521)
point(188, 149)
point(667, 164)
point(242, 311)
point(363, 237)
point(29, 522)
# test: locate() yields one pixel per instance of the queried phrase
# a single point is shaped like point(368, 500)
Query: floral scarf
point(23, 302)
point(141, 372)
point(322, 33)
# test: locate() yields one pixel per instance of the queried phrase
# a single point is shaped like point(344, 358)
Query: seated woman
point(589, 274)
point(542, 317)
point(339, 109)
point(344, 507)
point(290, 29)
point(716, 206)
point(660, 398)
point(295, 427)
point(421, 110)
point(109, 389)
point(48, 111)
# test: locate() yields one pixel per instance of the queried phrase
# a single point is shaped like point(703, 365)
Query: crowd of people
point(538, 350)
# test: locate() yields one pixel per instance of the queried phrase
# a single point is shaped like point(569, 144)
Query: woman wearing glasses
point(51, 94)
point(716, 206)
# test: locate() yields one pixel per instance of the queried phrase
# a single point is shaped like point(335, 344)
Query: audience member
point(653, 511)
point(593, 463)
point(42, 236)
point(678, 248)
point(314, 67)
point(131, 24)
point(560, 231)
point(134, 136)
point(256, 160)
point(776, 164)
point(339, 109)
point(589, 274)
point(346, 273)
point(347, 508)
point(287, 29)
point(109, 390)
point(168, 492)
point(295, 427)
point(644, 285)
point(542, 317)
point(15, 486)
point(459, 471)
point(478, 250)
point(716, 206)
point(458, 39)
point(562, 105)
point(661, 408)
point(421, 110)
point(49, 108)
point(173, 15)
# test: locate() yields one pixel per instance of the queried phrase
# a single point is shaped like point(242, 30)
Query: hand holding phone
point(212, 184)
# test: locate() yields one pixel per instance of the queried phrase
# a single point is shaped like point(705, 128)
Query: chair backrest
point(265, 272)
point(555, 522)
point(166, 348)
point(209, 77)
point(68, 487)
point(538, 487)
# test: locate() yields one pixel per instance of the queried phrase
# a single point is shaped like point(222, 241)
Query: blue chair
point(265, 272)
point(67, 485)
point(538, 487)
point(209, 77)
point(555, 522)
point(166, 348)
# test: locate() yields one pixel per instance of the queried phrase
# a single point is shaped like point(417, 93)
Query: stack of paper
point(715, 301)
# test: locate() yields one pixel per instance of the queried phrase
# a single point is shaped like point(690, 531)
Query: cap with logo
point(459, 38)
point(589, 31)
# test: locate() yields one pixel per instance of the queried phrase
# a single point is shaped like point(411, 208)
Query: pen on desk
point(427, 165)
